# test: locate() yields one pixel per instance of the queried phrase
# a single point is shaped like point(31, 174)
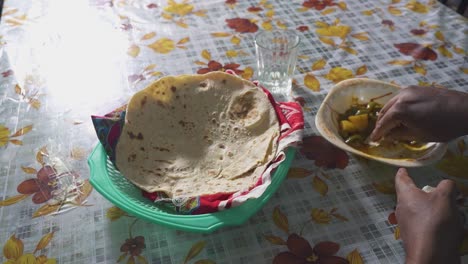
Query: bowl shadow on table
point(385, 173)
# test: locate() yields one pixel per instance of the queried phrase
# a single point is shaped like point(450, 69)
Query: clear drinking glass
point(276, 59)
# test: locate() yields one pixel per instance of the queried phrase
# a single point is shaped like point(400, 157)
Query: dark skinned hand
point(424, 114)
point(430, 224)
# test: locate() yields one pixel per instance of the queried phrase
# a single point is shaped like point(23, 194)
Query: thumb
point(403, 182)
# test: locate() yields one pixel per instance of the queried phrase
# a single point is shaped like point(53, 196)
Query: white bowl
point(339, 99)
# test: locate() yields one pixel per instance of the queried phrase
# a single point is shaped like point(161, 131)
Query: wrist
point(464, 114)
point(432, 260)
point(426, 249)
point(457, 106)
point(417, 258)
point(430, 253)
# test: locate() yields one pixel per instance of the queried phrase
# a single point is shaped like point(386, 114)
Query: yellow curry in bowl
point(358, 122)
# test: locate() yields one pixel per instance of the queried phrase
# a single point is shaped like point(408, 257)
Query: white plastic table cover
point(61, 61)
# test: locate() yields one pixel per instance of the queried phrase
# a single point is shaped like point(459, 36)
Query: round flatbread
point(193, 135)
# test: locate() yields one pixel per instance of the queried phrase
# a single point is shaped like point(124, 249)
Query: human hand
point(425, 114)
point(430, 224)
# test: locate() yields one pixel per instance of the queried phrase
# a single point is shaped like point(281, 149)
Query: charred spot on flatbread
point(131, 157)
point(130, 134)
point(243, 106)
point(143, 101)
point(162, 149)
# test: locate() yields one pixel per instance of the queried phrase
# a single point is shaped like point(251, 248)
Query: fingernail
point(401, 171)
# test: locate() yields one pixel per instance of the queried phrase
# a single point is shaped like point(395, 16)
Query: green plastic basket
point(108, 181)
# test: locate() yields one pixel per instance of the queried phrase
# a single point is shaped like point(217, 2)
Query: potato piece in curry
point(357, 123)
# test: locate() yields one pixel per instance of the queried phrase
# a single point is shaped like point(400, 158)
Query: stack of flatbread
point(194, 135)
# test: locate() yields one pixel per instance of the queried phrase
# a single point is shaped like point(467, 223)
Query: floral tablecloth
point(61, 61)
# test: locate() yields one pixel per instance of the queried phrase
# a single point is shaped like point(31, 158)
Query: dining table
point(63, 61)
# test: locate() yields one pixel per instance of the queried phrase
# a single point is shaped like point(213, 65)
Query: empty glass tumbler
point(276, 59)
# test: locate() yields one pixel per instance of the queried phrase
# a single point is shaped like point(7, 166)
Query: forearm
point(429, 260)
point(427, 248)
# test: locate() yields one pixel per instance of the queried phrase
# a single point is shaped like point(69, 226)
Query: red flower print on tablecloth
point(7, 73)
point(417, 51)
point(423, 28)
point(300, 249)
point(421, 53)
point(254, 9)
point(42, 187)
point(389, 23)
point(392, 218)
point(326, 156)
point(318, 4)
point(133, 246)
point(216, 66)
point(302, 28)
point(393, 221)
point(242, 25)
point(213, 65)
point(56, 190)
point(231, 3)
point(325, 6)
point(266, 16)
point(418, 32)
point(324, 153)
